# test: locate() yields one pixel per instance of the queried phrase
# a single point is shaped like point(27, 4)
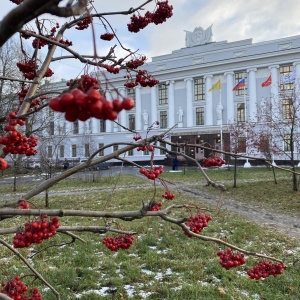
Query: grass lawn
point(163, 263)
point(254, 185)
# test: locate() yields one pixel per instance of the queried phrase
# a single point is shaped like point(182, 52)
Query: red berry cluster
point(66, 42)
point(23, 205)
point(153, 173)
point(144, 148)
point(265, 269)
point(39, 43)
point(111, 69)
point(213, 162)
point(29, 68)
point(27, 36)
point(17, 1)
point(107, 36)
point(230, 260)
point(54, 29)
point(79, 105)
point(3, 164)
point(168, 195)
point(84, 24)
point(143, 78)
point(160, 15)
point(135, 63)
point(155, 206)
point(22, 94)
point(137, 137)
point(36, 232)
point(84, 83)
point(15, 289)
point(121, 241)
point(139, 22)
point(16, 142)
point(197, 223)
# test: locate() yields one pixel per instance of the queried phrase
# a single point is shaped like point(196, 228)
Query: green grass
point(163, 263)
point(254, 185)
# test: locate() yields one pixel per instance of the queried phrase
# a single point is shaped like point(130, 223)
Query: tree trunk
point(234, 174)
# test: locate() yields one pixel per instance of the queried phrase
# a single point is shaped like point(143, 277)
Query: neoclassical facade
point(185, 97)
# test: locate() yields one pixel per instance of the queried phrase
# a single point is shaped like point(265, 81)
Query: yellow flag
point(216, 86)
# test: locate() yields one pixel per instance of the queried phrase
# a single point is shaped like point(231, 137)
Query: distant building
point(183, 96)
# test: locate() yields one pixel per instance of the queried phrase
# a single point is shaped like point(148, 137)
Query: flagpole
point(247, 164)
point(221, 129)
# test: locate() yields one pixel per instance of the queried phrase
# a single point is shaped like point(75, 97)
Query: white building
point(183, 96)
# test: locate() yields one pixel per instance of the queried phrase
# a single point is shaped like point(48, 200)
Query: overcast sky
point(232, 20)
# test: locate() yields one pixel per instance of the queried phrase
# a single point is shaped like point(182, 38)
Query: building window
point(131, 93)
point(162, 94)
point(242, 90)
point(102, 126)
point(49, 151)
point(131, 121)
point(287, 109)
point(242, 145)
point(286, 82)
point(101, 153)
point(74, 151)
point(61, 151)
point(264, 144)
point(199, 89)
point(76, 127)
point(199, 115)
point(130, 152)
point(287, 142)
point(51, 128)
point(162, 151)
point(87, 150)
point(241, 112)
point(115, 148)
point(163, 119)
point(146, 152)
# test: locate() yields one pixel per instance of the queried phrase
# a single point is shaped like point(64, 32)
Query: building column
point(296, 66)
point(108, 123)
point(209, 117)
point(122, 113)
point(275, 89)
point(189, 119)
point(94, 125)
point(154, 116)
point(171, 103)
point(252, 104)
point(138, 108)
point(229, 94)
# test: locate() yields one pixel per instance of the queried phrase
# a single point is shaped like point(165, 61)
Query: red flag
point(267, 82)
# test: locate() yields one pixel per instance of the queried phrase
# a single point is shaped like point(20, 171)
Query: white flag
point(288, 78)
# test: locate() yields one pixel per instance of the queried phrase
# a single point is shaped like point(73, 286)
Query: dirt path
point(286, 224)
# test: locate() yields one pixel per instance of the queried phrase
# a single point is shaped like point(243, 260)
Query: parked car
point(31, 164)
point(100, 166)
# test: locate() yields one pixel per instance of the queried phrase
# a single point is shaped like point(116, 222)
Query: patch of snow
point(153, 247)
point(130, 290)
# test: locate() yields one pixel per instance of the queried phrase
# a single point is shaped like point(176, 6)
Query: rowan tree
point(83, 98)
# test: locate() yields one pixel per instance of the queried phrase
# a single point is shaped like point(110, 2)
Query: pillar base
point(247, 164)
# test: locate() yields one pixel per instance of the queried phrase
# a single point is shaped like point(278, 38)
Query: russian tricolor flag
point(240, 84)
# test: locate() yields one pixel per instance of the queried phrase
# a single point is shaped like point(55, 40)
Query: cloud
point(232, 20)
